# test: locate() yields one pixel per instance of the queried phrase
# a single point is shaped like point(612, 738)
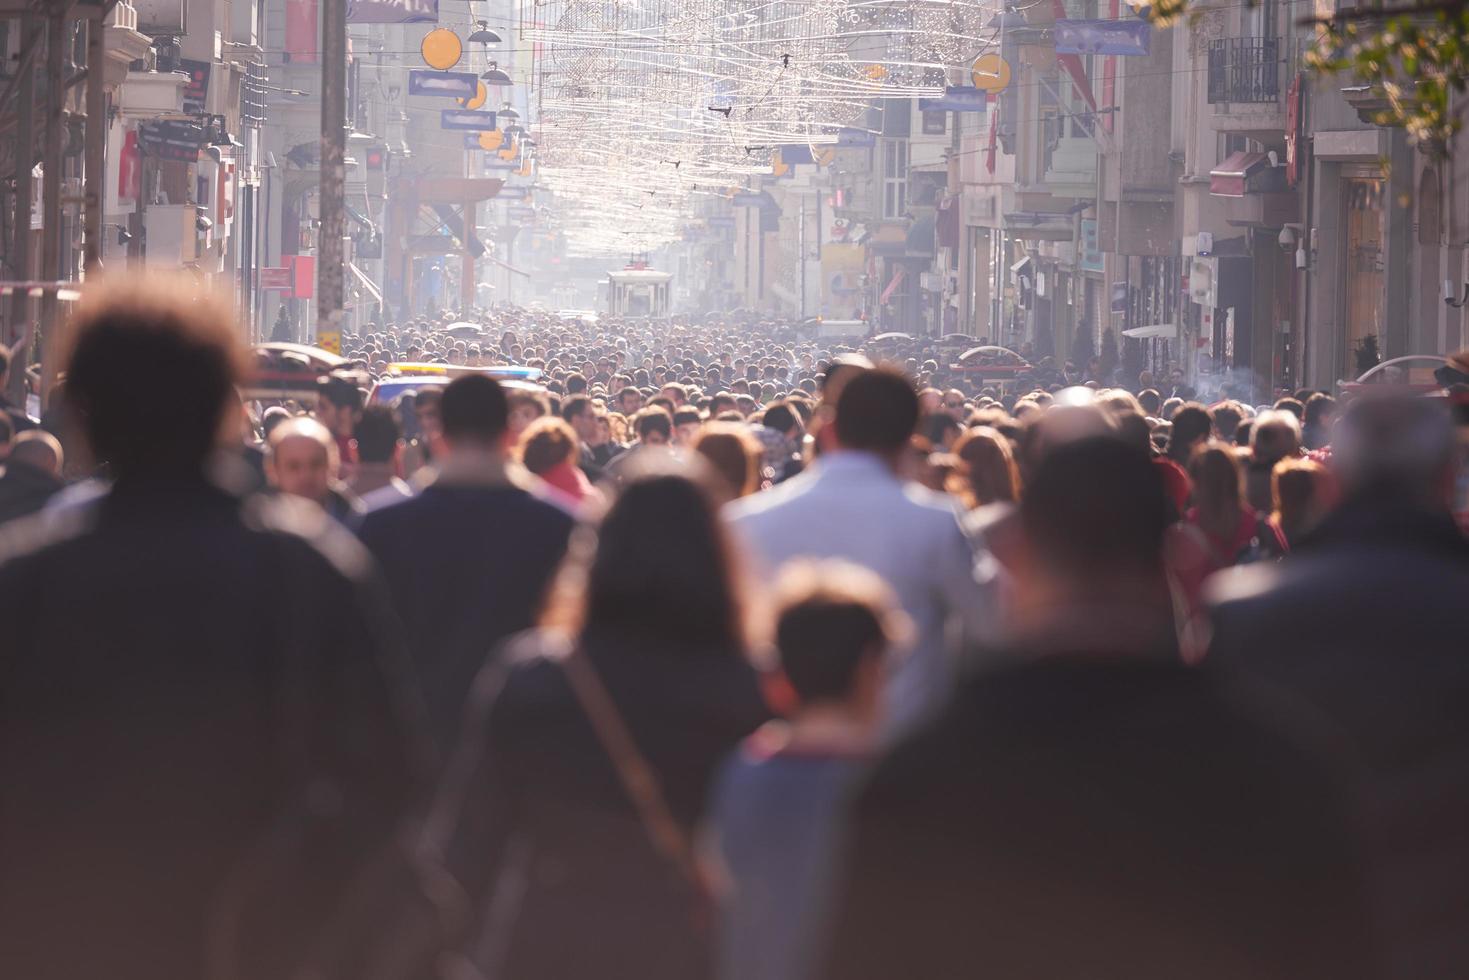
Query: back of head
point(988, 465)
point(39, 449)
point(546, 443)
point(1114, 527)
point(474, 410)
point(377, 434)
point(139, 328)
point(734, 455)
point(830, 617)
point(1275, 435)
point(663, 568)
point(1191, 424)
point(783, 418)
point(274, 416)
point(1227, 417)
point(1218, 481)
point(1296, 489)
point(877, 412)
point(1396, 447)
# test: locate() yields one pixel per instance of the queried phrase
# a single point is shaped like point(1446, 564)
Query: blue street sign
point(481, 122)
point(957, 98)
point(1119, 37)
point(453, 84)
point(795, 153)
point(392, 11)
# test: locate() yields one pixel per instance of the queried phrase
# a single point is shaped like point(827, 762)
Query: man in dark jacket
point(468, 560)
point(197, 766)
point(1096, 809)
point(31, 474)
point(1364, 625)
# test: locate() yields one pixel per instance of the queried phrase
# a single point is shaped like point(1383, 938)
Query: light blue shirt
point(850, 505)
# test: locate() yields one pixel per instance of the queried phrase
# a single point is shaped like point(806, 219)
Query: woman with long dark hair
point(590, 747)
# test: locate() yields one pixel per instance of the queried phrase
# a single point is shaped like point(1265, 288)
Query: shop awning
point(886, 293)
point(1232, 177)
point(1153, 331)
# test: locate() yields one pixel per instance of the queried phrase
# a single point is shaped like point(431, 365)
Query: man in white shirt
point(853, 505)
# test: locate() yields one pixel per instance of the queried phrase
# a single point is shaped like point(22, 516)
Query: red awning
point(897, 278)
point(1231, 178)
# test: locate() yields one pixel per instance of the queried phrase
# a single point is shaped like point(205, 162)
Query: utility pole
point(331, 203)
point(95, 148)
point(51, 200)
point(25, 157)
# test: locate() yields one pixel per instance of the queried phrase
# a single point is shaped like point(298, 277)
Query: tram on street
point(639, 291)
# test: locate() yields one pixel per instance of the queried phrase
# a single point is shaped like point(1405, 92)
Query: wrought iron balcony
point(1244, 69)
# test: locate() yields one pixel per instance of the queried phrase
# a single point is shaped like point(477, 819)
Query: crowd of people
point(719, 651)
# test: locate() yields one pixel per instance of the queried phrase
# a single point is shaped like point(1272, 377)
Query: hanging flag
point(989, 156)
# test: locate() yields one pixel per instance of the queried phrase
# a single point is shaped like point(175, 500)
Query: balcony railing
point(1244, 69)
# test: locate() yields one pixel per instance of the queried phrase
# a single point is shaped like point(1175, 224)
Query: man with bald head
point(32, 473)
point(302, 461)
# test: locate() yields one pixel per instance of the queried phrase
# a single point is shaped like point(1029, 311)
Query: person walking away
point(1276, 435)
point(549, 449)
point(735, 457)
point(31, 475)
point(592, 742)
point(468, 560)
point(301, 461)
point(1191, 427)
point(852, 504)
point(171, 690)
point(1363, 625)
point(378, 480)
point(1304, 492)
point(777, 808)
point(1095, 808)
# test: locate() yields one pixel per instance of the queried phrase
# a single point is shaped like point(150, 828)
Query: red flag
point(989, 156)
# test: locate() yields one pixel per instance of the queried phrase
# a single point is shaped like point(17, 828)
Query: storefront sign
point(1115, 37)
point(455, 84)
point(392, 11)
point(957, 98)
point(480, 122)
point(196, 92)
point(171, 139)
point(1091, 249)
